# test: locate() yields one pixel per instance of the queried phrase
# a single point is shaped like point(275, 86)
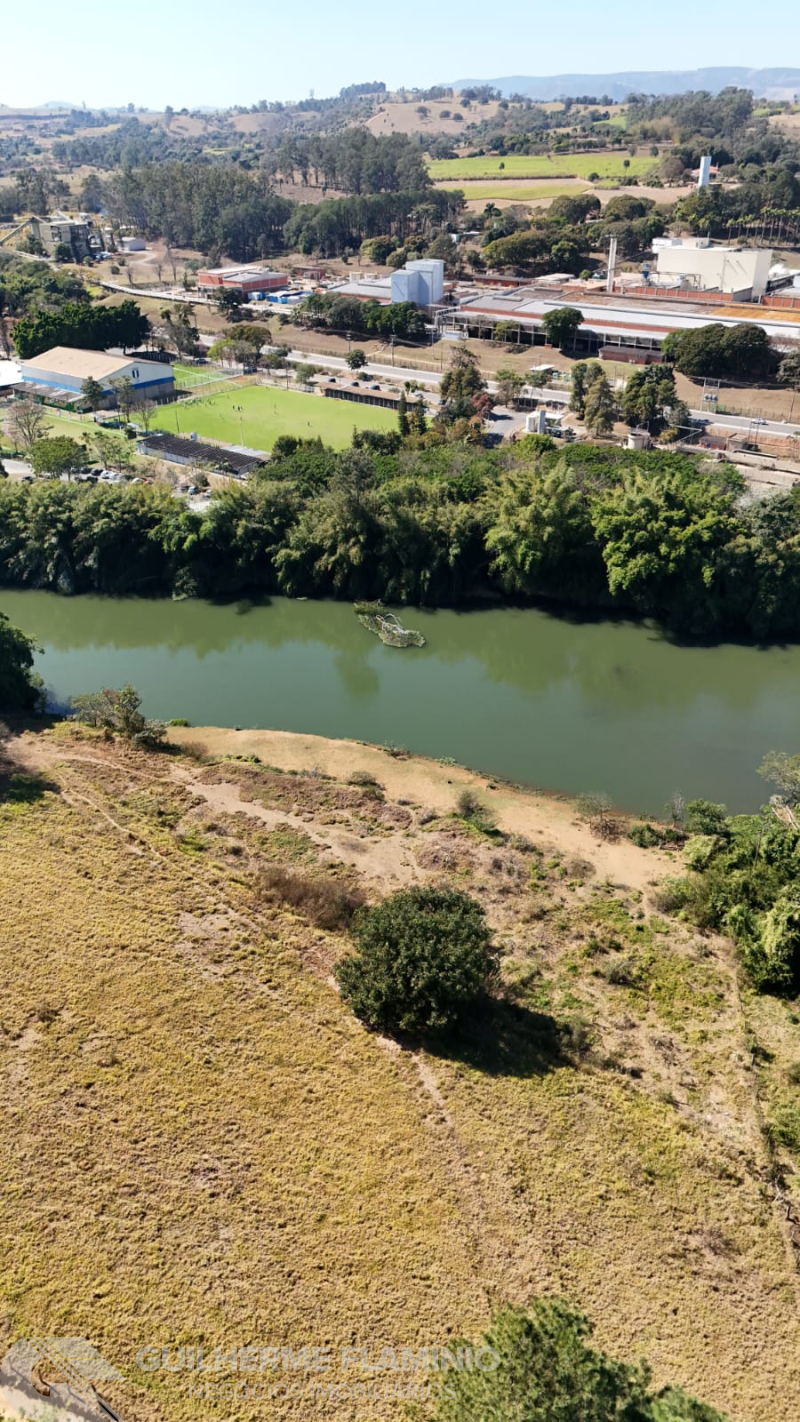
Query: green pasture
point(541, 165)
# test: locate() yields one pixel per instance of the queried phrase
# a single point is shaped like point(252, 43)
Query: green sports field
point(268, 412)
point(557, 165)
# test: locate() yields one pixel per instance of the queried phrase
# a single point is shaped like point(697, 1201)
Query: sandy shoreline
point(544, 818)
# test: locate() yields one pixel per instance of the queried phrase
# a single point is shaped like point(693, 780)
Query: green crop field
point(543, 165)
point(268, 412)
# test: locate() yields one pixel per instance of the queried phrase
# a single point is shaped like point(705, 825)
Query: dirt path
point(387, 859)
point(425, 782)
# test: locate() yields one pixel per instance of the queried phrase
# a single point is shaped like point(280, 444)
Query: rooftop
point(196, 450)
point(70, 360)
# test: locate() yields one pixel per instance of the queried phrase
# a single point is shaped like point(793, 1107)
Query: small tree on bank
point(424, 955)
point(119, 713)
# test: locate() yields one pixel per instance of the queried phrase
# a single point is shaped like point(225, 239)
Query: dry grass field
point(203, 1146)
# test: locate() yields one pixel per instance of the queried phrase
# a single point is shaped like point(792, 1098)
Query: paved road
point(748, 424)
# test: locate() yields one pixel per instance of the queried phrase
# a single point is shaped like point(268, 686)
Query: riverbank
point(546, 819)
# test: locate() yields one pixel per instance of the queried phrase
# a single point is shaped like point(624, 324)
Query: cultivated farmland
point(540, 165)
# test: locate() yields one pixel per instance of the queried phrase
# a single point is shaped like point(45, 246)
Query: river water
point(548, 702)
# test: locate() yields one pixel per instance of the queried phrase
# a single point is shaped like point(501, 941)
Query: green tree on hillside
point(538, 1365)
point(423, 956)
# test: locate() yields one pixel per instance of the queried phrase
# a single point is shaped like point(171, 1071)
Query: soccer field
point(268, 412)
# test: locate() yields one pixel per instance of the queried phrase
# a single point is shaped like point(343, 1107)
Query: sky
point(195, 52)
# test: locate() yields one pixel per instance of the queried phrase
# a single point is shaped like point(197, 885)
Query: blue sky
point(192, 52)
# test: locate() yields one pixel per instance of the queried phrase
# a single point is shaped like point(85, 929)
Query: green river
point(562, 705)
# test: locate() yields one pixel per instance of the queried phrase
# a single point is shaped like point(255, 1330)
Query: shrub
point(671, 895)
point(118, 713)
point(327, 903)
point(471, 808)
point(546, 1369)
point(598, 810)
point(645, 836)
point(704, 817)
point(423, 956)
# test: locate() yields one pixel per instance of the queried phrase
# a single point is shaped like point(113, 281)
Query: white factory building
point(66, 368)
point(421, 282)
point(697, 266)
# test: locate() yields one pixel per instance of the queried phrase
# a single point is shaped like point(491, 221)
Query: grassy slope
point(269, 412)
point(203, 1145)
point(520, 165)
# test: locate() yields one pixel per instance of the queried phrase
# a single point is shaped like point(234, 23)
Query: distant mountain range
point(765, 83)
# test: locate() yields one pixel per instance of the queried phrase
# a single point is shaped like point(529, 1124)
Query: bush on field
point(324, 901)
point(118, 713)
point(424, 955)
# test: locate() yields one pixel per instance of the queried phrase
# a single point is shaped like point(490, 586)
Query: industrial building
point(632, 331)
point(420, 281)
point(66, 368)
point(696, 266)
point(247, 281)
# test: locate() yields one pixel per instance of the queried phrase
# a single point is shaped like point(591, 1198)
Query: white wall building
point(66, 368)
point(726, 269)
point(421, 282)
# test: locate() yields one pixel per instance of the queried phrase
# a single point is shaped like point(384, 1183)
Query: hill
point(765, 83)
point(240, 1162)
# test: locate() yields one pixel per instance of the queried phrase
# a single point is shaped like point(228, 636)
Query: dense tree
point(561, 325)
point(664, 537)
point(460, 385)
point(92, 392)
point(509, 384)
point(57, 456)
point(742, 351)
point(20, 689)
point(432, 520)
point(648, 395)
point(423, 956)
point(599, 405)
point(537, 1365)
point(93, 328)
point(540, 534)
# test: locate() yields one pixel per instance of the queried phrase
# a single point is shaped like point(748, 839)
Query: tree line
point(89, 327)
point(654, 534)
